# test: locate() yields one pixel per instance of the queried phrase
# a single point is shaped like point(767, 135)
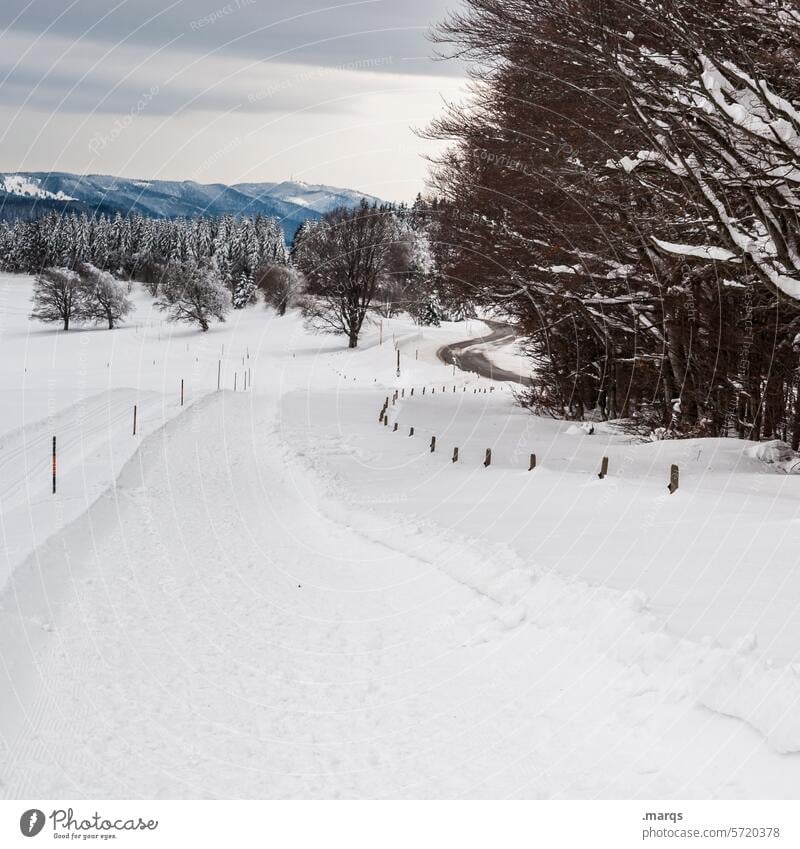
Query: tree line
point(338, 270)
point(622, 184)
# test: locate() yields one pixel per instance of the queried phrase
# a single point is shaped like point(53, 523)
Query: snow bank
point(775, 453)
point(740, 686)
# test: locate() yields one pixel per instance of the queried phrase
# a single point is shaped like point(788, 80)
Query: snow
point(268, 594)
point(700, 251)
point(16, 184)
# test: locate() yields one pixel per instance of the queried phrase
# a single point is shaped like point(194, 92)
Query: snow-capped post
point(386, 421)
point(219, 373)
point(235, 375)
point(433, 444)
point(488, 461)
point(394, 430)
point(674, 479)
point(532, 464)
point(403, 393)
point(412, 390)
point(455, 455)
point(603, 468)
point(181, 392)
point(398, 362)
point(411, 431)
point(134, 419)
point(423, 390)
point(53, 465)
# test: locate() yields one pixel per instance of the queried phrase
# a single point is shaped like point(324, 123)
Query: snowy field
point(268, 594)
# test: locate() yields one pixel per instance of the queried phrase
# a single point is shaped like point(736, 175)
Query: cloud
point(303, 32)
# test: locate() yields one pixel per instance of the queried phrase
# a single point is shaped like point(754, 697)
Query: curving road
point(464, 356)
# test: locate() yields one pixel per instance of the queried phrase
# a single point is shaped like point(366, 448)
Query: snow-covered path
point(225, 627)
point(280, 598)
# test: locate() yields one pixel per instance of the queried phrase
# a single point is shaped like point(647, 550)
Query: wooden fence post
point(134, 419)
point(433, 444)
point(603, 468)
point(219, 373)
point(395, 428)
point(411, 431)
point(532, 464)
point(53, 465)
point(488, 461)
point(455, 455)
point(674, 479)
point(181, 392)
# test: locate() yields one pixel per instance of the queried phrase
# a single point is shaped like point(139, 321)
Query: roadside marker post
point(674, 479)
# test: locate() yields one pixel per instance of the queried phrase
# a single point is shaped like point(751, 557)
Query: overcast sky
point(218, 91)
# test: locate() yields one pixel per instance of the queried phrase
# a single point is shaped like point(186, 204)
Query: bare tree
point(345, 258)
point(104, 297)
point(194, 295)
point(57, 296)
point(280, 284)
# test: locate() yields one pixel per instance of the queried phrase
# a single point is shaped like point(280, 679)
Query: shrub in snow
point(194, 295)
point(104, 299)
point(57, 296)
point(279, 284)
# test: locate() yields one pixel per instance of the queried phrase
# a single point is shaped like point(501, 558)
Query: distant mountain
point(25, 195)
